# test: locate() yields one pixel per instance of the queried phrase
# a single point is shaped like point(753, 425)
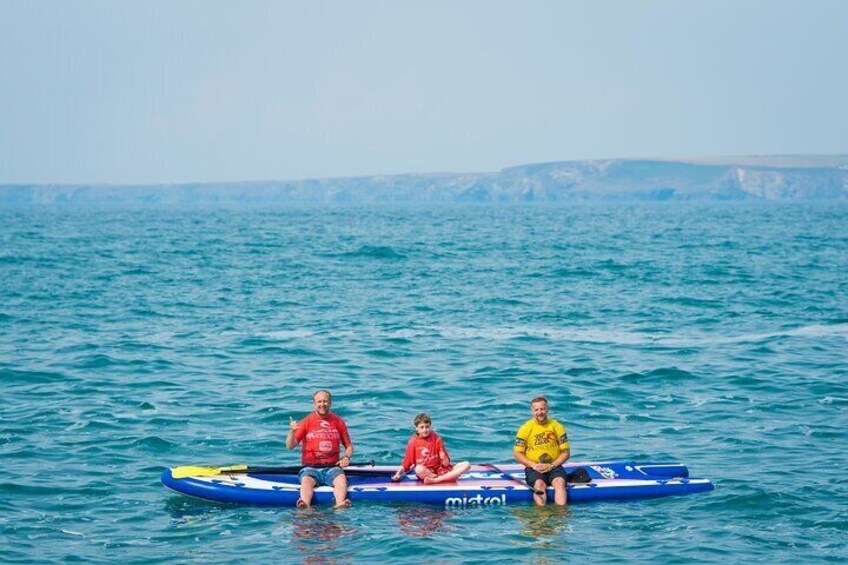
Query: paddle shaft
point(194, 471)
point(292, 469)
point(496, 469)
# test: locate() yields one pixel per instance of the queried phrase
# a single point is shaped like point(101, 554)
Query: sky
point(177, 91)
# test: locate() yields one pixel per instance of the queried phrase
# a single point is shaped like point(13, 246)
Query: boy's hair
point(422, 418)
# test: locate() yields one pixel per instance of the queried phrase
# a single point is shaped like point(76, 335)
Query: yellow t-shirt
point(541, 443)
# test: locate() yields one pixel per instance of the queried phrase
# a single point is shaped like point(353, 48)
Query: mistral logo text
point(466, 501)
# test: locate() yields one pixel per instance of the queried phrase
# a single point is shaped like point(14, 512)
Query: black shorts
point(531, 475)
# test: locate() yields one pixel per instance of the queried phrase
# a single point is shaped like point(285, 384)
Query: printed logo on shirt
point(519, 442)
point(325, 446)
point(325, 430)
point(544, 438)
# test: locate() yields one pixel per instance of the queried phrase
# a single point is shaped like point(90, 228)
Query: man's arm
point(519, 451)
point(291, 443)
point(348, 444)
point(524, 460)
point(348, 453)
point(521, 458)
point(563, 446)
point(520, 447)
point(563, 457)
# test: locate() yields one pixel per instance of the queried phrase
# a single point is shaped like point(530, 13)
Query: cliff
point(792, 178)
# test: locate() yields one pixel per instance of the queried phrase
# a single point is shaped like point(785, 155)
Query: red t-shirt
point(321, 439)
point(425, 451)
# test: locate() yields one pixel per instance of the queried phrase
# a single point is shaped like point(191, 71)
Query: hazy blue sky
point(178, 91)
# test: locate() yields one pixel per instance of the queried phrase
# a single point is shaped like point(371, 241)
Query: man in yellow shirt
point(541, 445)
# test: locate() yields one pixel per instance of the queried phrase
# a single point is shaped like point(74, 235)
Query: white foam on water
point(555, 334)
point(288, 334)
point(833, 399)
point(574, 335)
point(594, 335)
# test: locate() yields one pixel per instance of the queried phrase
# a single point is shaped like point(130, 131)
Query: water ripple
point(714, 335)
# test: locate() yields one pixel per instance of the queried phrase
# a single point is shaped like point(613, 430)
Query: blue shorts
point(322, 475)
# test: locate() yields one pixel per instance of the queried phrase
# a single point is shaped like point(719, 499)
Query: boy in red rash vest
point(427, 454)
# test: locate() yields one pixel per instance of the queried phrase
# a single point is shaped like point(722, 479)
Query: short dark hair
point(539, 399)
point(422, 418)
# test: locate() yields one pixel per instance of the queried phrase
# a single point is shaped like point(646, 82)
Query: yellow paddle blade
point(192, 471)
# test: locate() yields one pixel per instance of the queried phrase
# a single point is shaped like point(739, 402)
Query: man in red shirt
point(321, 433)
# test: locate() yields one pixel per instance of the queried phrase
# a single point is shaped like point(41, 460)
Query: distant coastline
point(775, 177)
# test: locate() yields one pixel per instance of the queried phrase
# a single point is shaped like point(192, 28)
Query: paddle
point(496, 469)
point(193, 471)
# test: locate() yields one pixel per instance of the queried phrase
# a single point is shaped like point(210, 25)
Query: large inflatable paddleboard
point(483, 485)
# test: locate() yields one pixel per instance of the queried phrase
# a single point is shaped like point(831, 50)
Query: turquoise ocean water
point(715, 335)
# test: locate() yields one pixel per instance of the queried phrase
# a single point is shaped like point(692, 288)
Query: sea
point(711, 334)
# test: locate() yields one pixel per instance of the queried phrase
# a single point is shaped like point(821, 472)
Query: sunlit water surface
point(715, 335)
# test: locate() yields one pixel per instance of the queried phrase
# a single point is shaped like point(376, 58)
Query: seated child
point(426, 453)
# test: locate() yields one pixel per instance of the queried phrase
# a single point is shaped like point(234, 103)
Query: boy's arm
point(399, 473)
point(443, 453)
point(408, 461)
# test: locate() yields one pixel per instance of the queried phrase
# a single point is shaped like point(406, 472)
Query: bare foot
point(430, 480)
point(301, 503)
point(344, 504)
